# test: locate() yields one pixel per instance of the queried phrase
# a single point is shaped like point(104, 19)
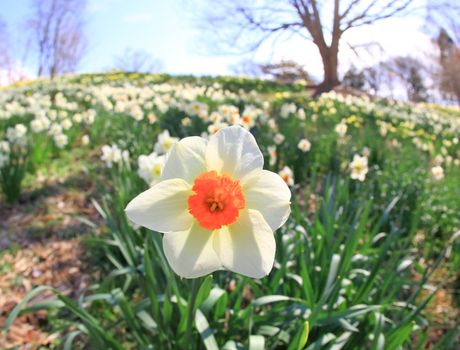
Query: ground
point(41, 243)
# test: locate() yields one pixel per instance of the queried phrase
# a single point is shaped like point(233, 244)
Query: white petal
point(163, 207)
point(247, 246)
point(268, 194)
point(186, 159)
point(191, 253)
point(233, 151)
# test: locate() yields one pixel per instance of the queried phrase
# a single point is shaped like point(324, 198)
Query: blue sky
point(163, 28)
point(167, 30)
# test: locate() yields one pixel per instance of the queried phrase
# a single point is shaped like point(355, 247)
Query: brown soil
point(41, 244)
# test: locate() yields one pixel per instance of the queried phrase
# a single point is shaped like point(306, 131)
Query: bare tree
point(448, 74)
point(410, 73)
point(444, 23)
point(373, 79)
point(451, 77)
point(247, 24)
point(138, 61)
point(444, 15)
point(57, 31)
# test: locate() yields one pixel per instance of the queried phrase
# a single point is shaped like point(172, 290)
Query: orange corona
point(216, 200)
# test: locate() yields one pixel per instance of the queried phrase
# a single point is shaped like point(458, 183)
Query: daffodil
point(437, 172)
point(150, 167)
point(273, 156)
point(216, 206)
point(279, 138)
point(287, 175)
point(359, 168)
point(165, 142)
point(113, 154)
point(341, 129)
point(61, 140)
point(304, 145)
point(85, 140)
point(17, 133)
point(4, 153)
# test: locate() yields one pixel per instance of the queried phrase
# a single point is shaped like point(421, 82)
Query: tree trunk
point(40, 70)
point(53, 72)
point(329, 56)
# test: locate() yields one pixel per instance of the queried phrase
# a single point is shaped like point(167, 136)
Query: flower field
point(348, 239)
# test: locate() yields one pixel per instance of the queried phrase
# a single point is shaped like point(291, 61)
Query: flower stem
point(191, 311)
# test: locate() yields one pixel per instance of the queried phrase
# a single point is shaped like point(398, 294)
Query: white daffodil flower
point(437, 172)
point(358, 168)
point(273, 156)
point(150, 167)
point(287, 175)
point(85, 140)
point(164, 143)
point(341, 129)
point(216, 206)
point(61, 140)
point(304, 145)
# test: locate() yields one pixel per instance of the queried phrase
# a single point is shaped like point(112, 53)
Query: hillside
point(369, 256)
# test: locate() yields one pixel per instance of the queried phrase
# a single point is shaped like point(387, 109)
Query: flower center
point(156, 170)
point(216, 200)
point(167, 144)
point(358, 167)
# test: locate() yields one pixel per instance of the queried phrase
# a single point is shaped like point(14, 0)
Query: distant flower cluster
point(114, 155)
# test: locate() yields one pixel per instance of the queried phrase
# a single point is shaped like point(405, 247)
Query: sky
point(168, 31)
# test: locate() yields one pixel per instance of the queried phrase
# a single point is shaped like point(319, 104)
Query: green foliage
point(349, 272)
point(12, 171)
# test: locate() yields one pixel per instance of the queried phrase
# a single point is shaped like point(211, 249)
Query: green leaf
point(214, 295)
point(68, 345)
point(300, 339)
point(203, 291)
point(269, 299)
point(147, 320)
point(101, 337)
point(232, 345)
point(308, 290)
point(348, 326)
point(44, 305)
point(323, 340)
point(334, 266)
point(352, 312)
point(256, 342)
point(129, 315)
point(206, 333)
point(399, 336)
point(20, 306)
